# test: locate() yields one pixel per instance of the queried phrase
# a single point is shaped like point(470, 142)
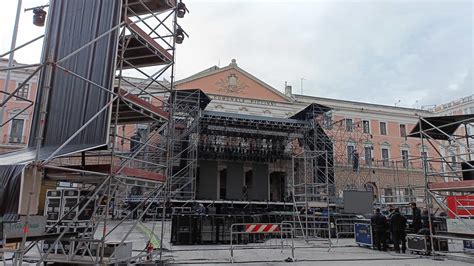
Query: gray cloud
point(373, 51)
point(380, 52)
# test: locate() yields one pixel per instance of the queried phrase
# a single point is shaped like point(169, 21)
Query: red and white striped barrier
point(262, 228)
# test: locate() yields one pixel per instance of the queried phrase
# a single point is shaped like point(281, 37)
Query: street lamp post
point(10, 61)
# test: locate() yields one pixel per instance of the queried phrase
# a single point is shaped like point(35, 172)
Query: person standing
point(355, 161)
point(391, 209)
point(201, 210)
point(416, 220)
point(398, 224)
point(379, 225)
point(245, 193)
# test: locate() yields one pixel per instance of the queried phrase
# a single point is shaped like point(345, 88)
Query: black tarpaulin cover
point(10, 180)
point(72, 101)
point(440, 127)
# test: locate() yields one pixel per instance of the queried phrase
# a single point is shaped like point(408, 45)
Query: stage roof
point(256, 118)
point(191, 96)
point(310, 110)
point(440, 127)
point(233, 123)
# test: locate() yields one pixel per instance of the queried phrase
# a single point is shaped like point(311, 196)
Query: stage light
point(39, 17)
point(180, 35)
point(181, 10)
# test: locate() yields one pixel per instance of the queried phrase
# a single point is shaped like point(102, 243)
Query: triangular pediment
point(231, 81)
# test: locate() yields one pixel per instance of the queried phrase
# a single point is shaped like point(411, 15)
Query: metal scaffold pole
point(148, 163)
point(10, 59)
point(169, 140)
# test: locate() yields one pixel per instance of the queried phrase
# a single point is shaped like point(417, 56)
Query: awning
point(27, 155)
point(141, 50)
point(134, 110)
point(141, 7)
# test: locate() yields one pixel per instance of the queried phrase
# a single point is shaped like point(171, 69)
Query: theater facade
point(370, 147)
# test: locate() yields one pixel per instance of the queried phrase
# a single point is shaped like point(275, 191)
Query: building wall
point(463, 149)
point(251, 96)
point(9, 141)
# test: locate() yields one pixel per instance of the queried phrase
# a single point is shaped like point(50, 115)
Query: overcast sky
point(419, 52)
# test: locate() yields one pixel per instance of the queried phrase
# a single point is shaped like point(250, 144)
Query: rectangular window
point(408, 195)
point(453, 161)
point(424, 157)
point(368, 155)
point(385, 158)
point(350, 153)
point(383, 128)
point(328, 121)
point(223, 184)
point(349, 125)
point(23, 92)
point(403, 130)
point(366, 126)
point(405, 158)
point(388, 195)
point(248, 178)
point(16, 131)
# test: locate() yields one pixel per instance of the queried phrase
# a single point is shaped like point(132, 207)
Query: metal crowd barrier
point(180, 210)
point(315, 227)
point(269, 235)
point(345, 227)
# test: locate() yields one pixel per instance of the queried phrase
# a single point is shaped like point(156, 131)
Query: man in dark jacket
point(416, 223)
point(379, 226)
point(398, 224)
point(391, 208)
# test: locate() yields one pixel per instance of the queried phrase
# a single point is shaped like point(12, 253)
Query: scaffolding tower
point(312, 180)
point(449, 186)
point(188, 105)
point(350, 174)
point(144, 34)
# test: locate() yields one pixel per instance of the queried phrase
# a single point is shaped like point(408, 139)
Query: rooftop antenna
point(302, 85)
point(397, 103)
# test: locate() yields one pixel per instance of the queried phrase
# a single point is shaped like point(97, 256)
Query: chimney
point(288, 91)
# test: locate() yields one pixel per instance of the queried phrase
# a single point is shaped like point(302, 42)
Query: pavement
point(342, 251)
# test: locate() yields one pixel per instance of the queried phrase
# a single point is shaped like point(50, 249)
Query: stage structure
point(83, 101)
point(249, 158)
point(449, 189)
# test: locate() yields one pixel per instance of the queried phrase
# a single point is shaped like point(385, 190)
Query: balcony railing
point(14, 139)
point(397, 199)
point(400, 165)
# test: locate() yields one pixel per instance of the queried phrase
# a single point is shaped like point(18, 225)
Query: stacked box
point(60, 210)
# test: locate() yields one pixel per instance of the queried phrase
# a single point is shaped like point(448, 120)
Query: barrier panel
point(363, 233)
point(345, 227)
point(311, 227)
point(269, 235)
point(189, 229)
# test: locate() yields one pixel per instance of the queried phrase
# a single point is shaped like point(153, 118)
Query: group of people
point(396, 224)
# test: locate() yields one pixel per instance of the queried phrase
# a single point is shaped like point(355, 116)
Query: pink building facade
point(18, 112)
